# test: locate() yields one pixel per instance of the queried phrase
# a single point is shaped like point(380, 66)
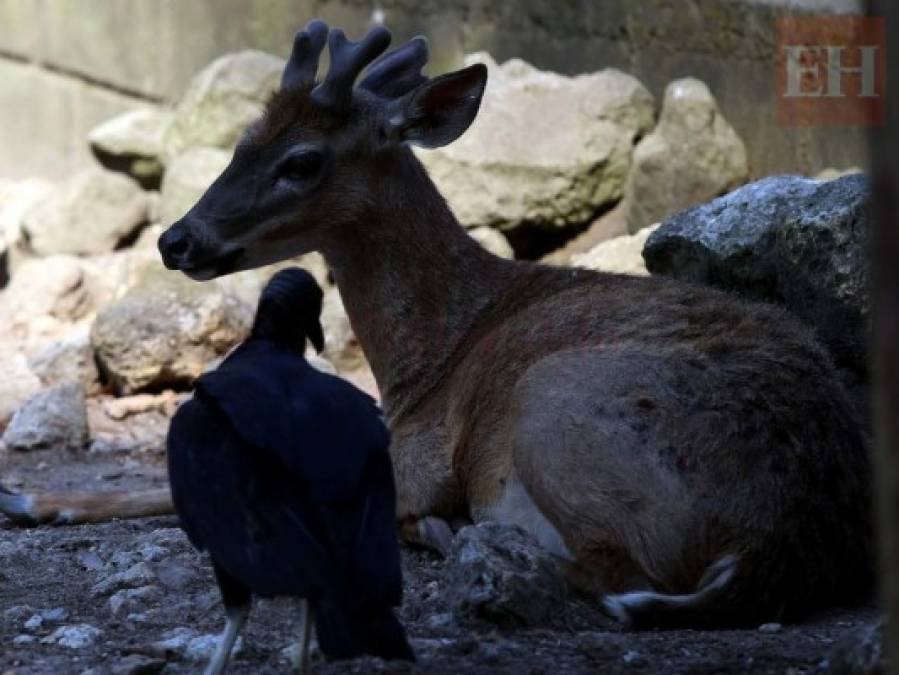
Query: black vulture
point(282, 473)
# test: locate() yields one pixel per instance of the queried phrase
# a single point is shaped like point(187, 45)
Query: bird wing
point(318, 426)
point(243, 508)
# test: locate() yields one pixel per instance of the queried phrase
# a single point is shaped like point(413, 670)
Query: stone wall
point(66, 65)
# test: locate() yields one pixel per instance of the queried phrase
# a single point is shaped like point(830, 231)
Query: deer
point(689, 457)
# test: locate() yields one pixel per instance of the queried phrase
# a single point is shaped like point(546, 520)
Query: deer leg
point(429, 532)
point(83, 507)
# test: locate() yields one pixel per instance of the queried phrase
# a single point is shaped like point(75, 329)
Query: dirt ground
point(133, 597)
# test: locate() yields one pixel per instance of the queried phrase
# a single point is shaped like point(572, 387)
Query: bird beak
point(316, 336)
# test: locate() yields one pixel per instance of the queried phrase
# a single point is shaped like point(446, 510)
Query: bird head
point(290, 308)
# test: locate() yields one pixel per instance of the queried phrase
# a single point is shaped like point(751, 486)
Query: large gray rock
point(186, 179)
point(545, 149)
point(499, 573)
point(132, 142)
point(792, 240)
point(94, 211)
point(221, 101)
point(165, 330)
point(54, 418)
point(691, 156)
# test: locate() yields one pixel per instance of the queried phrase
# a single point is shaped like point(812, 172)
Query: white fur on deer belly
point(516, 507)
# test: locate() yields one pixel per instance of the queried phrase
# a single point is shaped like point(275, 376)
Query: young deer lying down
point(693, 456)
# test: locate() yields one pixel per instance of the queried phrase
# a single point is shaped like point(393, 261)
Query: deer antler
point(347, 61)
point(303, 62)
point(399, 71)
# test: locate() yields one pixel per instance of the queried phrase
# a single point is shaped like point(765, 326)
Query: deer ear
point(438, 111)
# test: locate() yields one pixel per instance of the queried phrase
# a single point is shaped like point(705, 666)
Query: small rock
point(17, 385)
point(499, 573)
point(69, 360)
point(55, 418)
point(692, 155)
point(23, 639)
point(16, 199)
point(76, 636)
point(54, 286)
point(92, 212)
point(132, 142)
point(175, 575)
point(34, 623)
point(139, 574)
point(186, 643)
point(186, 179)
point(341, 346)
point(138, 664)
point(131, 598)
point(770, 628)
point(633, 658)
point(55, 615)
point(621, 255)
point(492, 240)
point(861, 652)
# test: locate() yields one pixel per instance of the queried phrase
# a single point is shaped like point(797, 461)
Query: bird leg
point(237, 617)
point(307, 618)
point(431, 532)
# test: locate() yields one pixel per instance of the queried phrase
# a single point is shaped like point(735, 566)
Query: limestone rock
point(622, 255)
point(493, 240)
point(545, 149)
point(165, 330)
point(341, 346)
point(499, 573)
point(55, 418)
point(692, 156)
point(17, 385)
point(186, 179)
point(66, 361)
point(132, 142)
point(791, 240)
point(16, 198)
point(221, 101)
point(94, 211)
point(53, 286)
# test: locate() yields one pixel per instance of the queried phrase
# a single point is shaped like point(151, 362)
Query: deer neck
point(413, 283)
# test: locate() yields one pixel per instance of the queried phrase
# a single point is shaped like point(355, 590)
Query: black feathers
point(282, 474)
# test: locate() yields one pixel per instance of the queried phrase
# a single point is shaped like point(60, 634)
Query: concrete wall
point(66, 65)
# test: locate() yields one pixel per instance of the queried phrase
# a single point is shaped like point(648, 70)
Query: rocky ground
point(134, 597)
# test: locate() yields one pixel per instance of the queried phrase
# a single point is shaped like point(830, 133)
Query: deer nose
point(177, 247)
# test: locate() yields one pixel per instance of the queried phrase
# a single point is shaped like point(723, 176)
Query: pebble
point(131, 597)
point(23, 639)
point(55, 615)
point(138, 664)
point(76, 636)
point(34, 623)
point(770, 628)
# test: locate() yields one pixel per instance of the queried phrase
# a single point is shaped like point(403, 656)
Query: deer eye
point(300, 167)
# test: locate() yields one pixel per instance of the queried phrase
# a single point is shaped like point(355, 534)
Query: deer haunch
point(695, 456)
